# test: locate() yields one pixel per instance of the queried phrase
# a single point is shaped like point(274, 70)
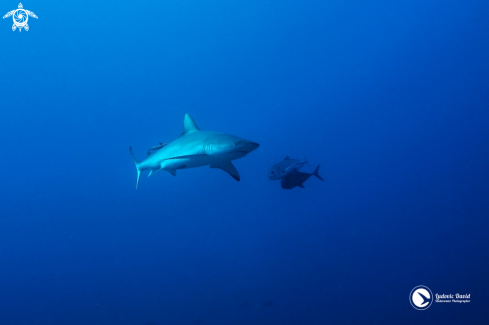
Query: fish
point(196, 148)
point(152, 150)
point(285, 167)
point(297, 178)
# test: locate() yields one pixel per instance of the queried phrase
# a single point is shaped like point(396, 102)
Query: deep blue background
point(390, 97)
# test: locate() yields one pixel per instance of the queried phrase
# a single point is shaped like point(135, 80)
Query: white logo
point(20, 16)
point(421, 297)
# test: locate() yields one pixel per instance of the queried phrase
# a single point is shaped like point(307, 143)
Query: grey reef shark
point(196, 148)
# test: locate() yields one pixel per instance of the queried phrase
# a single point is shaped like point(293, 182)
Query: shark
point(196, 148)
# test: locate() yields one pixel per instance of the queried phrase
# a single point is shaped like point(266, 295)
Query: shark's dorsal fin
point(286, 158)
point(189, 125)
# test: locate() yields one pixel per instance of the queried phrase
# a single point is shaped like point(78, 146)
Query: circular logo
point(20, 17)
point(421, 297)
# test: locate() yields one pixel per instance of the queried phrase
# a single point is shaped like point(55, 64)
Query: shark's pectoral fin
point(173, 172)
point(228, 167)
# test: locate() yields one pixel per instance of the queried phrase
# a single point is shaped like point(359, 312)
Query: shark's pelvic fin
point(173, 172)
point(189, 125)
point(228, 167)
point(150, 172)
point(136, 162)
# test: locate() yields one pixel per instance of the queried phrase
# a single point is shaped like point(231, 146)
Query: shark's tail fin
point(137, 162)
point(316, 173)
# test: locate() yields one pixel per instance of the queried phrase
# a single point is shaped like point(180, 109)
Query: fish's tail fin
point(316, 173)
point(136, 162)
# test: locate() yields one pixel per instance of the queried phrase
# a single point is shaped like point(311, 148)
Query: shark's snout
point(248, 146)
point(254, 145)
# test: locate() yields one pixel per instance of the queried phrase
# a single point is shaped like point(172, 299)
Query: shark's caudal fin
point(137, 162)
point(317, 174)
point(189, 125)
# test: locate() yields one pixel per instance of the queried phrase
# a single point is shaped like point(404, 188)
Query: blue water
point(391, 98)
